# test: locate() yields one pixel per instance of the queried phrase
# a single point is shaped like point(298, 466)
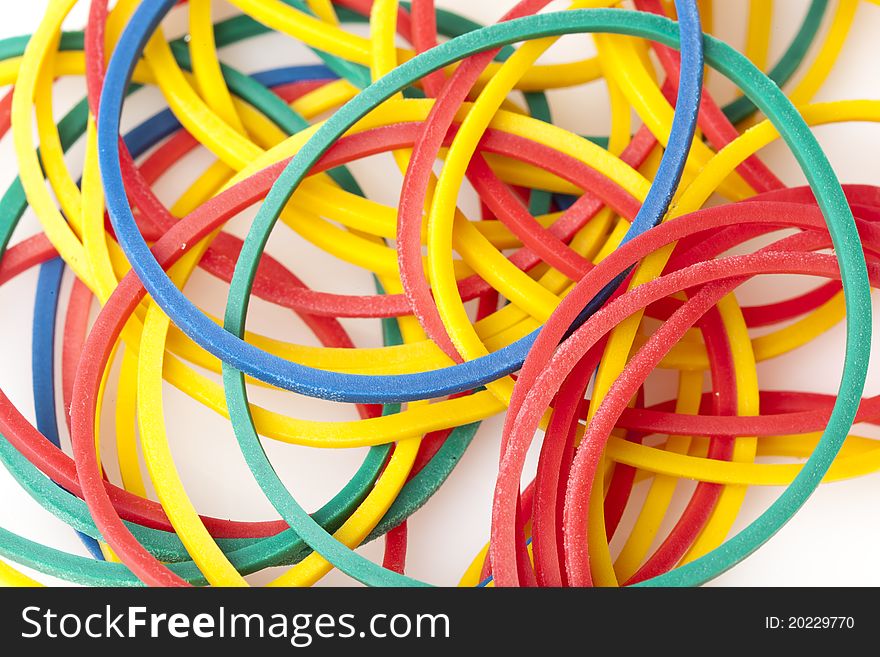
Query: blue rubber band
point(252, 360)
point(43, 364)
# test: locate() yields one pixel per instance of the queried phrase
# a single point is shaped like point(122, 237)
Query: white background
point(833, 540)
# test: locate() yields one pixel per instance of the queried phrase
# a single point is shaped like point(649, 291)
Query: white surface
point(832, 541)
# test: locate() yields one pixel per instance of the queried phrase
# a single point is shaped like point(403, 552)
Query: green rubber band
point(766, 96)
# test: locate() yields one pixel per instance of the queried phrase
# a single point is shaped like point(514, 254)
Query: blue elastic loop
point(263, 365)
point(43, 364)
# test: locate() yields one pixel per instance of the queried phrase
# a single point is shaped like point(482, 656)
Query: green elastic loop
point(766, 96)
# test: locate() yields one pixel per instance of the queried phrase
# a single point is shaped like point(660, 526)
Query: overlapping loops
point(596, 261)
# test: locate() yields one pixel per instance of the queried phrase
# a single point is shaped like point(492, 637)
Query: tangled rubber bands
point(595, 261)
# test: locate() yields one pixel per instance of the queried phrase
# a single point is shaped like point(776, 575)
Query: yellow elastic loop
point(38, 51)
point(160, 463)
point(206, 66)
point(233, 148)
point(659, 497)
point(746, 377)
point(674, 464)
point(758, 36)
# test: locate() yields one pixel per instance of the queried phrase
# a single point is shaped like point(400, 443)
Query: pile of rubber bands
point(594, 262)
